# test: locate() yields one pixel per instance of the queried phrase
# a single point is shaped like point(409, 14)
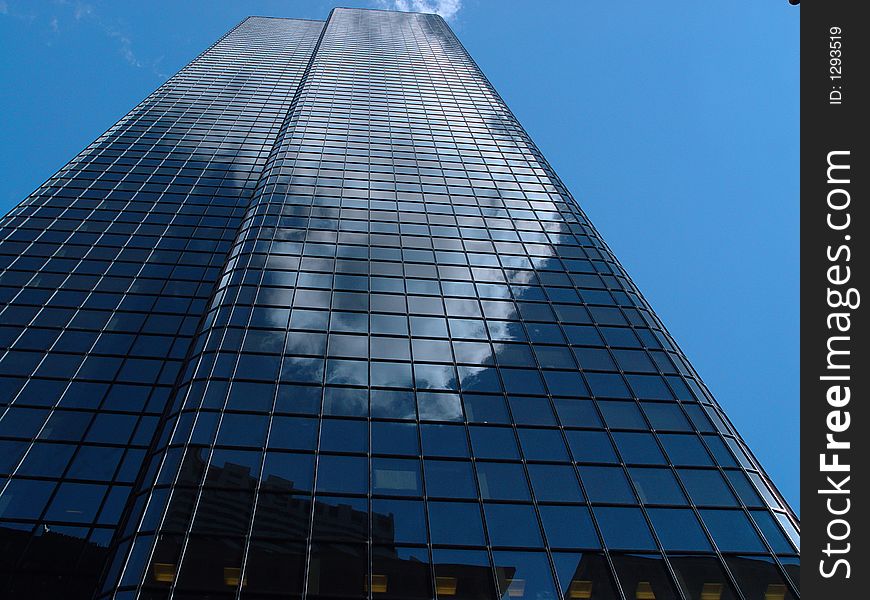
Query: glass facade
point(317, 319)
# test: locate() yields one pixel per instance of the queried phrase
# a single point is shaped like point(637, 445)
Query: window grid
point(368, 311)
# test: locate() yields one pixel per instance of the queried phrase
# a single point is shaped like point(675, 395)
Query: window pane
point(523, 575)
point(463, 574)
point(281, 516)
point(344, 435)
point(678, 529)
point(638, 448)
point(685, 449)
point(512, 525)
point(455, 523)
point(288, 472)
point(591, 446)
point(444, 440)
point(531, 411)
point(275, 567)
point(338, 570)
point(666, 416)
point(644, 577)
point(485, 409)
point(340, 518)
point(76, 502)
point(624, 528)
point(772, 533)
point(243, 430)
point(439, 406)
point(493, 442)
point(557, 483)
point(293, 433)
point(622, 415)
point(657, 486)
point(342, 474)
point(394, 438)
point(543, 444)
point(502, 481)
point(701, 577)
point(731, 531)
point(400, 573)
point(585, 575)
point(396, 476)
point(577, 413)
point(401, 521)
point(449, 479)
point(707, 487)
point(569, 527)
point(607, 385)
point(606, 484)
point(758, 577)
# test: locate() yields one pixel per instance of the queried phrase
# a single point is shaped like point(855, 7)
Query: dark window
point(463, 574)
point(757, 577)
point(622, 415)
point(569, 527)
point(342, 474)
point(606, 484)
point(685, 450)
point(449, 479)
point(624, 528)
point(344, 435)
point(644, 576)
point(395, 438)
point(512, 525)
point(706, 487)
point(584, 573)
point(455, 523)
point(494, 442)
point(557, 483)
point(444, 440)
point(678, 529)
point(731, 531)
point(657, 486)
point(638, 448)
point(543, 444)
point(523, 575)
point(398, 521)
point(591, 446)
point(293, 432)
point(502, 481)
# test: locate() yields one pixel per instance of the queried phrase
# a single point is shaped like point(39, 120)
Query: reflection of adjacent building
point(339, 529)
point(353, 550)
point(44, 567)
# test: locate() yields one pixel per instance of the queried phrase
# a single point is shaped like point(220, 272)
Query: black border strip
point(834, 227)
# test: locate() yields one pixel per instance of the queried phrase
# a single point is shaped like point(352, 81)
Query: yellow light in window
point(711, 591)
point(232, 576)
point(580, 589)
point(379, 584)
point(644, 591)
point(516, 588)
point(445, 586)
point(775, 591)
point(163, 572)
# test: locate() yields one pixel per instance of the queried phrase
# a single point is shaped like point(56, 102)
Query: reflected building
point(317, 320)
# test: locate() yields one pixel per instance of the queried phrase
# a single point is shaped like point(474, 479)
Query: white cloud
point(125, 46)
point(82, 10)
point(445, 8)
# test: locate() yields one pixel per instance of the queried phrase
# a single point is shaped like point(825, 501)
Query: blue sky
point(674, 123)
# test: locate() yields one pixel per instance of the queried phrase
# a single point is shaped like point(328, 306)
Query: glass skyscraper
point(317, 319)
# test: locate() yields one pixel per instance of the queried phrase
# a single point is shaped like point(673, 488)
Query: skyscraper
point(317, 319)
